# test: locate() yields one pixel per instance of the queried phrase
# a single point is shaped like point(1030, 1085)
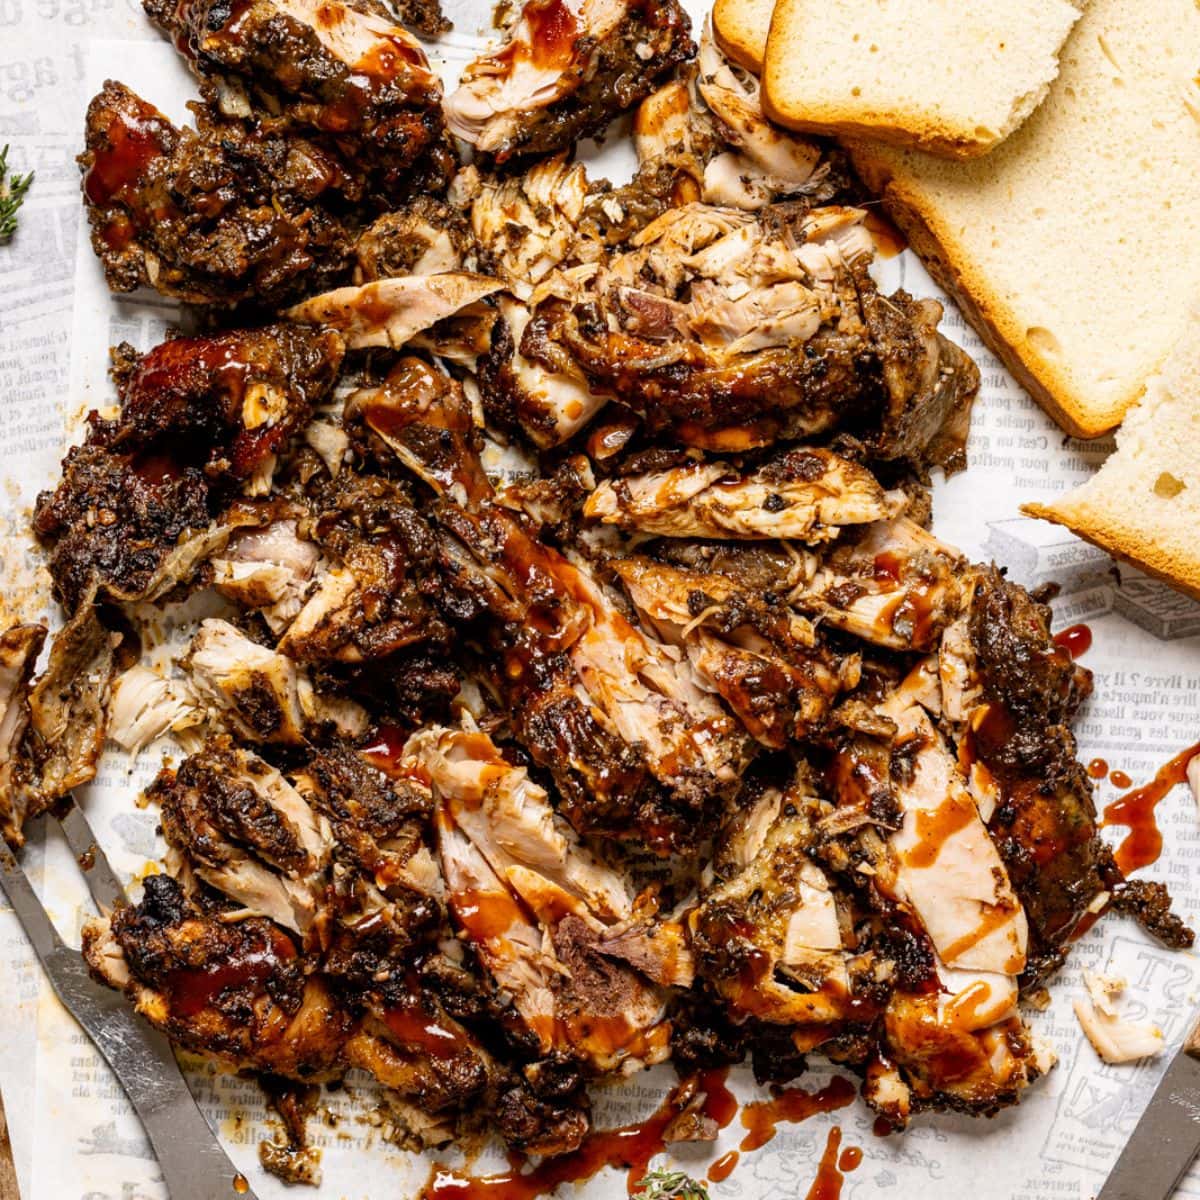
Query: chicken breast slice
point(805, 495)
point(391, 312)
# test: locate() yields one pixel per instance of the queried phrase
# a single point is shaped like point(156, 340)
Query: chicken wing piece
point(566, 69)
point(411, 1045)
point(345, 71)
point(238, 991)
point(806, 494)
point(232, 990)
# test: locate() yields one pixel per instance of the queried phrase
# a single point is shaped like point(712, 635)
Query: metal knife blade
point(193, 1162)
point(1167, 1137)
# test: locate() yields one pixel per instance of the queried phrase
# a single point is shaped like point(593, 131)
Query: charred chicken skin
point(579, 683)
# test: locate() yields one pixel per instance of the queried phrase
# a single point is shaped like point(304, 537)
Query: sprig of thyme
point(661, 1184)
point(12, 196)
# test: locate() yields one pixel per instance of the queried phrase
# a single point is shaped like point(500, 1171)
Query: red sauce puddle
point(1097, 768)
point(1120, 780)
point(761, 1117)
point(723, 1167)
point(629, 1147)
point(1075, 640)
point(1136, 811)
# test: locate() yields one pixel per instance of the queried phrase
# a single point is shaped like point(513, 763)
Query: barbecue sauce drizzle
point(632, 1147)
point(1136, 811)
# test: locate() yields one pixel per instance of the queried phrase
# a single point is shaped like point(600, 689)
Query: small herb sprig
point(661, 1184)
point(12, 195)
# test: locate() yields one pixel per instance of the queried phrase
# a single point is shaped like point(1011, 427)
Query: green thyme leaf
point(12, 195)
point(661, 1184)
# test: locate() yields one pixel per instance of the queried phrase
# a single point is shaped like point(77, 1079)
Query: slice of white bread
point(740, 27)
point(1074, 246)
point(1143, 505)
point(954, 77)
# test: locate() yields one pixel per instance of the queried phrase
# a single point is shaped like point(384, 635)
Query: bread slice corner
point(740, 28)
point(952, 77)
point(1143, 505)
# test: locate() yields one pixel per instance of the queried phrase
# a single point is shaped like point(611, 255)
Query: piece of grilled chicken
point(201, 420)
point(345, 73)
point(211, 215)
point(554, 928)
point(703, 136)
point(729, 329)
point(565, 70)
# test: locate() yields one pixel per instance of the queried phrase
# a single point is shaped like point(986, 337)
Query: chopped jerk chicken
point(730, 330)
point(805, 495)
point(703, 136)
point(211, 215)
point(537, 906)
point(19, 650)
point(566, 69)
point(1115, 1039)
point(636, 743)
point(579, 683)
point(199, 418)
point(346, 71)
point(390, 312)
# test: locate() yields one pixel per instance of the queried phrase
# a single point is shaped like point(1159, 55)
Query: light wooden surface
point(8, 1169)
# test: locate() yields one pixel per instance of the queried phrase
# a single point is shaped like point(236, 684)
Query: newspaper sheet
point(74, 1134)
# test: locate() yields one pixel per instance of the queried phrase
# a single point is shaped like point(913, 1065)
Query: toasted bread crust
point(936, 138)
point(1140, 547)
point(740, 27)
point(949, 262)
